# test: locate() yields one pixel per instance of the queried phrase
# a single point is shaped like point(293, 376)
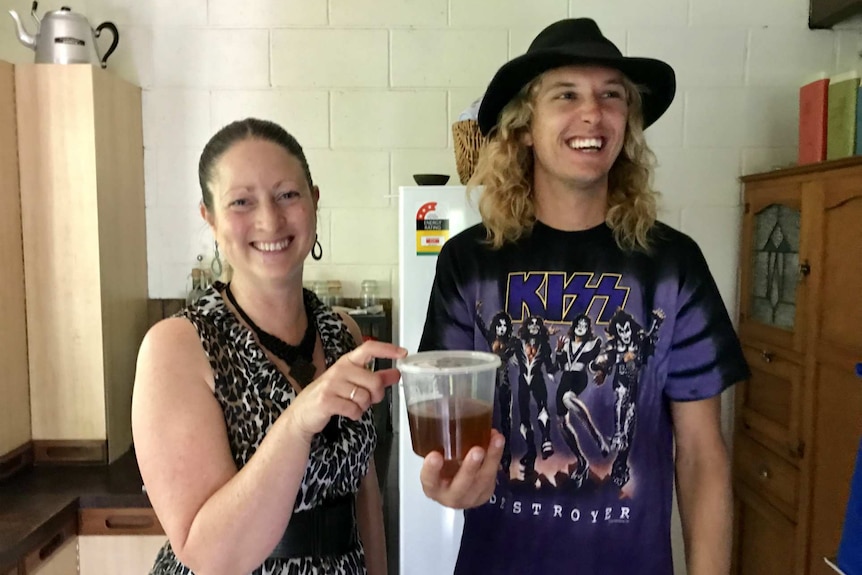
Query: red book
point(813, 107)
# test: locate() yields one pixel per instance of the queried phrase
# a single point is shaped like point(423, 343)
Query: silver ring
point(353, 392)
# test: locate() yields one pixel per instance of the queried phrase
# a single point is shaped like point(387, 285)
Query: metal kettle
point(65, 37)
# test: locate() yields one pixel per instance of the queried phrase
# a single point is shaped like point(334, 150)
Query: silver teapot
point(65, 37)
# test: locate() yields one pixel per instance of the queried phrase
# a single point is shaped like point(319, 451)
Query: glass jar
point(335, 295)
point(369, 296)
point(321, 290)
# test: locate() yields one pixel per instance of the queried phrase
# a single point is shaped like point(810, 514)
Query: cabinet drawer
point(767, 474)
point(110, 555)
point(770, 400)
point(119, 521)
point(54, 554)
point(63, 561)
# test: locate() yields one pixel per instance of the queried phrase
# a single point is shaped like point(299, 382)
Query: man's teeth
point(272, 246)
point(585, 143)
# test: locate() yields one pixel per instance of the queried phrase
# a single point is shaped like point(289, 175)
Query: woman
point(250, 410)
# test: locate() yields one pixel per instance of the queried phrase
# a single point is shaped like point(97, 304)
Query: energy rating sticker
point(432, 231)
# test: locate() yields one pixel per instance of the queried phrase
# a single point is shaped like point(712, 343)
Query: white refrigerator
point(429, 534)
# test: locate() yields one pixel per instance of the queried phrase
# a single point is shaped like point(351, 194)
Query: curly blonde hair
point(505, 171)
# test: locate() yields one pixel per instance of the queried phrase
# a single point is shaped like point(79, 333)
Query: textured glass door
point(775, 266)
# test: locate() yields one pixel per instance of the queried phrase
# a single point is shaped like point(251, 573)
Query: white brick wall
point(700, 57)
point(305, 114)
point(382, 119)
point(425, 58)
point(371, 87)
point(328, 57)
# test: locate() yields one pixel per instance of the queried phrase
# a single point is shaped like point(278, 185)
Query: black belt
point(328, 529)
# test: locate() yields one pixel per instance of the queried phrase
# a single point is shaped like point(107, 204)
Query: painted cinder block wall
point(371, 88)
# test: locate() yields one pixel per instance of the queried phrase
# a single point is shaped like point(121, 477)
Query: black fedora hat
point(570, 42)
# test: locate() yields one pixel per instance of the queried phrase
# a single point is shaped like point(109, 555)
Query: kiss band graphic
point(573, 358)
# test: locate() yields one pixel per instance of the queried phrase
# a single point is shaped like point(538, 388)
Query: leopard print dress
point(252, 394)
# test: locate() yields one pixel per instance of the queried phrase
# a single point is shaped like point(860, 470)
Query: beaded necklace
point(297, 357)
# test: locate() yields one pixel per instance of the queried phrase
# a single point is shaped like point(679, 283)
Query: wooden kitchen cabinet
point(124, 540)
point(774, 250)
point(14, 383)
point(112, 554)
point(836, 394)
point(764, 538)
point(82, 204)
point(57, 555)
point(63, 561)
point(799, 416)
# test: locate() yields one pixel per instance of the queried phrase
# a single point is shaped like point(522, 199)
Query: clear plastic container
point(450, 402)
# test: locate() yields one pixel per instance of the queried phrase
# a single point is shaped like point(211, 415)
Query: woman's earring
point(216, 265)
point(317, 250)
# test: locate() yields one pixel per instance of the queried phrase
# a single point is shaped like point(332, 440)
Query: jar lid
point(448, 362)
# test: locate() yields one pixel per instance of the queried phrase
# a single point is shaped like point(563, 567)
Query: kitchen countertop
point(37, 502)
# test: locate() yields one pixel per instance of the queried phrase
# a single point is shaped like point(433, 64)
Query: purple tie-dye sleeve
point(448, 323)
point(705, 356)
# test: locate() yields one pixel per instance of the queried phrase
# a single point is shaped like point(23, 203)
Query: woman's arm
point(369, 512)
point(220, 520)
point(369, 504)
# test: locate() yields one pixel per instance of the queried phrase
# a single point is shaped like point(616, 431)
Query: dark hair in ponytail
point(248, 129)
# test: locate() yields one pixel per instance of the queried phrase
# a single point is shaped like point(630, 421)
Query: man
point(569, 229)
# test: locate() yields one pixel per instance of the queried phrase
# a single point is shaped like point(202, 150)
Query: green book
point(841, 121)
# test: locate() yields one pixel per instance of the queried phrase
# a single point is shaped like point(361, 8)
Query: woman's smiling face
point(264, 210)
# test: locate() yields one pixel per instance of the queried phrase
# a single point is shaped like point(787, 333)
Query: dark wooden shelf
point(827, 13)
point(850, 162)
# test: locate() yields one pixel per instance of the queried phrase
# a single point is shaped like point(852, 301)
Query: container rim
point(408, 364)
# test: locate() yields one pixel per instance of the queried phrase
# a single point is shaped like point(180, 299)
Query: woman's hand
point(347, 388)
point(474, 482)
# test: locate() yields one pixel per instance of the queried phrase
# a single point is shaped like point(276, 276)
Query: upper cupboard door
point(837, 271)
point(774, 265)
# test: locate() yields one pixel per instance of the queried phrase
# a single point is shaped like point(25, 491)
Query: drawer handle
point(13, 465)
point(52, 545)
point(129, 522)
point(767, 356)
point(763, 472)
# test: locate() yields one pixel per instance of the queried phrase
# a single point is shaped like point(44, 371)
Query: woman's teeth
point(272, 246)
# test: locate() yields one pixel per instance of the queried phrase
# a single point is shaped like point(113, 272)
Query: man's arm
point(703, 486)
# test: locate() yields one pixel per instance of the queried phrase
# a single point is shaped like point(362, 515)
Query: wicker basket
point(468, 142)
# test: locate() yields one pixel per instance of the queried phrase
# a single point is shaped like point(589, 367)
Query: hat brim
point(655, 78)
